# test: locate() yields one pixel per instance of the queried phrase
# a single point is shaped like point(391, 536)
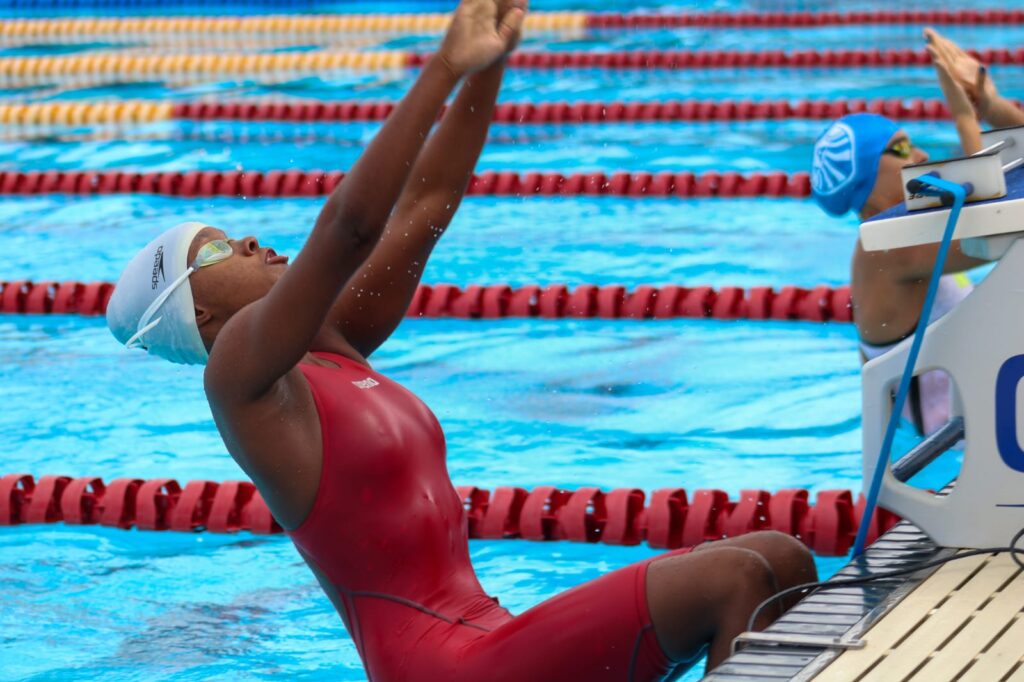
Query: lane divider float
point(146, 111)
point(120, 67)
point(213, 29)
point(315, 183)
point(484, 302)
point(327, 26)
point(667, 519)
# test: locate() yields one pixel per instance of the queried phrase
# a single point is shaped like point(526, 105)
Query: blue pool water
point(689, 403)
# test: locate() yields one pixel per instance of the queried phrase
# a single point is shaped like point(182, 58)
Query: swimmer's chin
point(276, 271)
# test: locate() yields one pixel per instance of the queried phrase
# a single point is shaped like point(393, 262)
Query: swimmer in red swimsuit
point(353, 465)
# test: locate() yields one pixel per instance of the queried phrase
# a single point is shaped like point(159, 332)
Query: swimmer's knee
point(747, 569)
point(784, 553)
point(694, 596)
point(782, 543)
point(735, 573)
point(790, 558)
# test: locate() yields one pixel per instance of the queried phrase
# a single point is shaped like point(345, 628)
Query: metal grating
point(845, 613)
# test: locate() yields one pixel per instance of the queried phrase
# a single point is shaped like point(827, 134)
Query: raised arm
point(957, 100)
point(266, 339)
point(377, 297)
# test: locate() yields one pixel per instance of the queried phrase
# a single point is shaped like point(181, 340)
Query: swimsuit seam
point(357, 625)
point(345, 358)
point(418, 607)
point(644, 617)
point(318, 500)
point(636, 650)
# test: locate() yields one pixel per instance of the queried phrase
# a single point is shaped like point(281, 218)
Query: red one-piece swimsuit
point(389, 532)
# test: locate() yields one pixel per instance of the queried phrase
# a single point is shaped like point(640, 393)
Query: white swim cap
point(160, 271)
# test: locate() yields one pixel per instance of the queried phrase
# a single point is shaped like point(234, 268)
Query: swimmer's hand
point(481, 33)
point(968, 72)
point(957, 99)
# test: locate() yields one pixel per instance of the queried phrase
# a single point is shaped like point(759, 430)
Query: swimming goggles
point(209, 253)
point(902, 149)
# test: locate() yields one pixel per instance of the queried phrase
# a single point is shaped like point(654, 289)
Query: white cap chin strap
point(152, 306)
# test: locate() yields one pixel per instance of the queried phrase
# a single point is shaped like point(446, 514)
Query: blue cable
point(959, 195)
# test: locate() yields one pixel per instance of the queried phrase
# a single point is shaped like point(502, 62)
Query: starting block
point(980, 344)
point(982, 174)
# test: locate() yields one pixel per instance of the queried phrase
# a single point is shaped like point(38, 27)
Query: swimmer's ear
point(202, 316)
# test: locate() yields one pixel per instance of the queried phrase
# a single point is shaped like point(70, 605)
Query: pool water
point(689, 403)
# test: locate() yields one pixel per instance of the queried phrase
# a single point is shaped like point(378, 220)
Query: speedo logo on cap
point(158, 267)
point(835, 164)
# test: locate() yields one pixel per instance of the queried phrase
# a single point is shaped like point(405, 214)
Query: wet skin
point(889, 287)
point(346, 292)
point(722, 581)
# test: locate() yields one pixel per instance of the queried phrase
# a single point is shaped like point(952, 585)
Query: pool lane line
point(315, 183)
point(118, 67)
point(64, 30)
point(215, 29)
point(666, 519)
point(79, 113)
point(819, 304)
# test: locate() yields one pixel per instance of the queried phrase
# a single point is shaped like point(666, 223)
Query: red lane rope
point(295, 183)
point(578, 112)
point(819, 304)
point(804, 19)
point(668, 519)
point(703, 59)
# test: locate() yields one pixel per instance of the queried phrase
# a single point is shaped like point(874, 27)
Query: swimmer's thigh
point(599, 631)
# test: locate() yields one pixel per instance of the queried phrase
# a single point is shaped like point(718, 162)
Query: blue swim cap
point(846, 159)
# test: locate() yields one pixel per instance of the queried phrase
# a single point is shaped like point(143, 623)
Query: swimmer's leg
point(790, 560)
point(638, 623)
point(705, 599)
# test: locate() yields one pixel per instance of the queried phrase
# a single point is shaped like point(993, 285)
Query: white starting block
point(980, 344)
point(1013, 150)
point(983, 172)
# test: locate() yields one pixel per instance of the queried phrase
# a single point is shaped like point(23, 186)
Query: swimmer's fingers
point(963, 66)
point(983, 85)
point(510, 28)
point(939, 58)
point(943, 67)
point(956, 96)
point(942, 48)
point(481, 32)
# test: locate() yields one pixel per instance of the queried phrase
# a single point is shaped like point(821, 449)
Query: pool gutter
point(841, 614)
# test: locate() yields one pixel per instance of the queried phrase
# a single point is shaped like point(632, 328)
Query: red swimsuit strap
point(331, 355)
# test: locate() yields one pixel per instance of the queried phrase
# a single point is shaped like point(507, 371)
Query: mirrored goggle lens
point(212, 252)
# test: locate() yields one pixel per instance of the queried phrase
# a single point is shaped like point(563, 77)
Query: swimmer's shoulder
point(234, 357)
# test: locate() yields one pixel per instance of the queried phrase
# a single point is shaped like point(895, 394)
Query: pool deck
point(961, 621)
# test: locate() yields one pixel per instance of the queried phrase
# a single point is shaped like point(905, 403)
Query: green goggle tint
point(212, 252)
point(902, 149)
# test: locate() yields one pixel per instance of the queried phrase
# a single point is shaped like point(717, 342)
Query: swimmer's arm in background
point(975, 79)
point(266, 339)
point(998, 111)
point(376, 299)
point(914, 263)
